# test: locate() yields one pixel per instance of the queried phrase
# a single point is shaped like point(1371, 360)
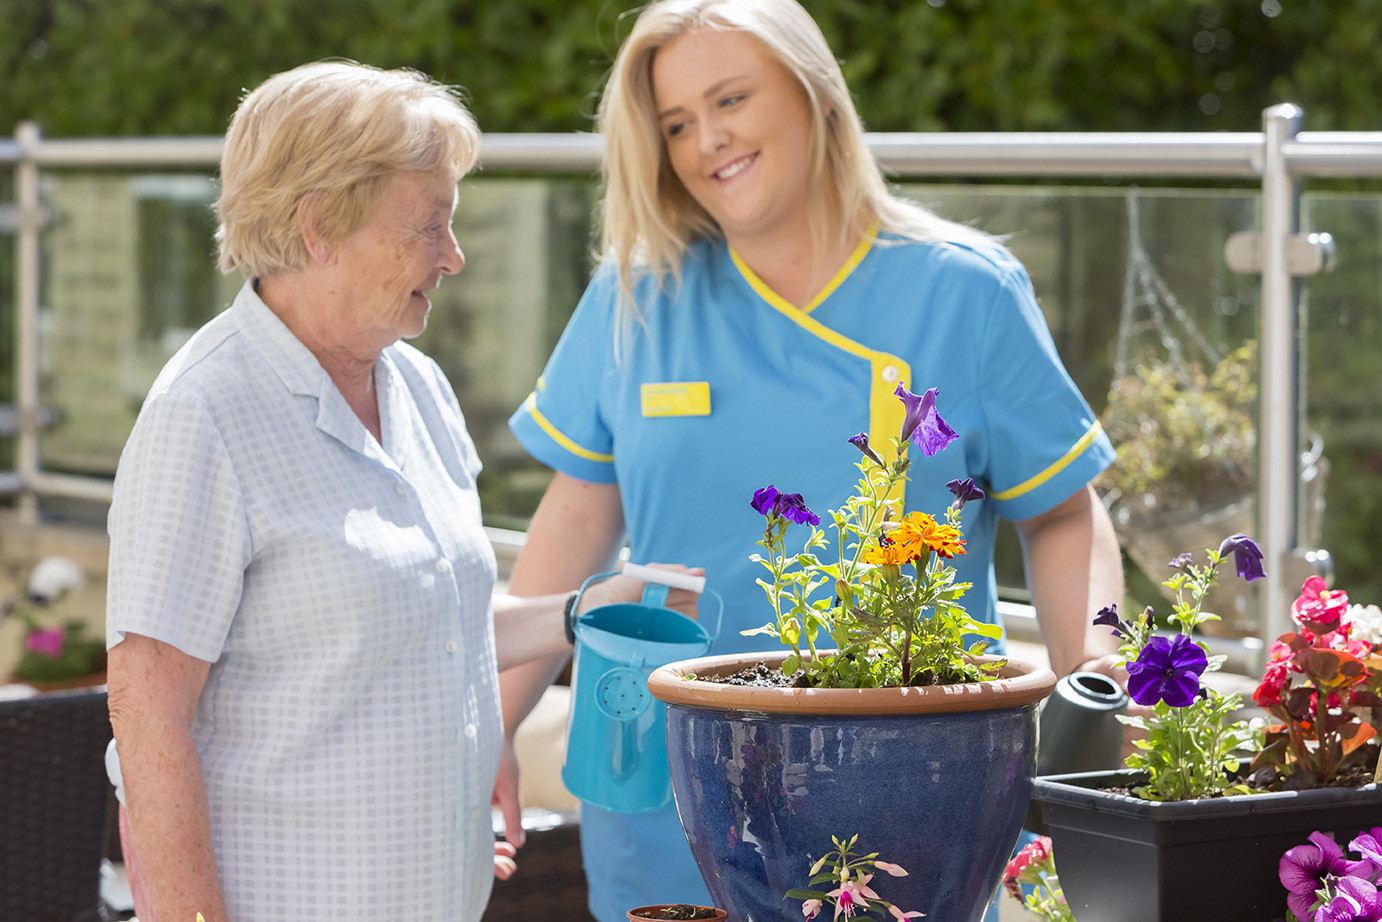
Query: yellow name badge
point(676, 398)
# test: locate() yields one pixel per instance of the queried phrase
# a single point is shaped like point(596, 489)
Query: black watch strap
point(566, 618)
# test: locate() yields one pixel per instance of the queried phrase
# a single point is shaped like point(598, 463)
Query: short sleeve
point(1044, 441)
point(562, 423)
point(179, 537)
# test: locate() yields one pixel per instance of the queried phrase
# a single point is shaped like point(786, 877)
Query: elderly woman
point(304, 644)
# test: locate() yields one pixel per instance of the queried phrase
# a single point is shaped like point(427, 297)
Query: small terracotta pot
point(643, 913)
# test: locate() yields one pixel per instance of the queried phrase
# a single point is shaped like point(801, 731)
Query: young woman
point(761, 297)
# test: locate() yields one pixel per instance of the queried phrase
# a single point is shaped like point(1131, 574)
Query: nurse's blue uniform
point(725, 387)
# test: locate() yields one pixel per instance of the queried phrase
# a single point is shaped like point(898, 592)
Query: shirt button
point(477, 815)
point(470, 731)
point(891, 373)
point(443, 565)
point(451, 646)
point(400, 488)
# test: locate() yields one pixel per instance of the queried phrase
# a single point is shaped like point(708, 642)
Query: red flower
point(1318, 608)
point(1274, 681)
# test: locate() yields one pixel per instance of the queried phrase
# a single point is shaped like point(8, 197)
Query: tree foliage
point(153, 67)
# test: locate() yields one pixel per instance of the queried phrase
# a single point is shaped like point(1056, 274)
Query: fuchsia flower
point(46, 641)
point(1318, 608)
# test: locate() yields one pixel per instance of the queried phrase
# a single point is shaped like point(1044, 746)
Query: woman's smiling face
point(386, 267)
point(736, 125)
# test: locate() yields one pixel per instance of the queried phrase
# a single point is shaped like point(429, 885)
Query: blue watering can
point(616, 745)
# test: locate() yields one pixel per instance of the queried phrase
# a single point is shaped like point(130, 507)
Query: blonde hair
point(648, 219)
point(338, 131)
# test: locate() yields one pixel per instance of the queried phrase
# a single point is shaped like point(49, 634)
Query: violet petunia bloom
point(1108, 617)
point(1369, 845)
point(861, 442)
point(1303, 869)
point(923, 425)
point(1167, 670)
point(1180, 561)
point(964, 491)
point(764, 500)
point(1247, 556)
point(793, 508)
point(1356, 900)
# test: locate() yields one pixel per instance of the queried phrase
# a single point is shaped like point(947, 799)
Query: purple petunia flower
point(1167, 670)
point(1247, 556)
point(1108, 617)
point(1369, 845)
point(769, 502)
point(1356, 900)
point(923, 425)
point(1180, 561)
point(861, 442)
point(793, 508)
point(764, 500)
point(964, 491)
point(1303, 869)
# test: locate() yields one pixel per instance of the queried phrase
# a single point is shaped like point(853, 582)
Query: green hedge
point(154, 67)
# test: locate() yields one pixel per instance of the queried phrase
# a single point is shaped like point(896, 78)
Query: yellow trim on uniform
point(855, 258)
point(887, 371)
point(560, 437)
point(1075, 451)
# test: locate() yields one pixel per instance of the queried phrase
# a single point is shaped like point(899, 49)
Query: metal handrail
point(1147, 154)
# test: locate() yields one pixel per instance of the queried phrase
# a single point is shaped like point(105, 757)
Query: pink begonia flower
point(46, 641)
point(1319, 608)
point(892, 869)
point(809, 908)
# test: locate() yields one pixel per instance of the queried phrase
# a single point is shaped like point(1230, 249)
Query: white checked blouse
point(349, 730)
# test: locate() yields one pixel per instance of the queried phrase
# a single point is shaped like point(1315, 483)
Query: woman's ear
point(319, 251)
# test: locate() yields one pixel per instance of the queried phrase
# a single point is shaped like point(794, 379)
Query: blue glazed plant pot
point(936, 780)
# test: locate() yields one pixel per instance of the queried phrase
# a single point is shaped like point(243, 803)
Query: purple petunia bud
point(1108, 617)
point(1180, 561)
point(1247, 556)
point(861, 442)
point(964, 491)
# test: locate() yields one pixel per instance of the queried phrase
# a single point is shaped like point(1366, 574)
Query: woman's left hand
point(504, 864)
point(625, 589)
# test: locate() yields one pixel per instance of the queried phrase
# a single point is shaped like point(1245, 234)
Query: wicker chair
point(54, 800)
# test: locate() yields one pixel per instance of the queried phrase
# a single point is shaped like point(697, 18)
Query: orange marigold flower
point(920, 528)
point(893, 552)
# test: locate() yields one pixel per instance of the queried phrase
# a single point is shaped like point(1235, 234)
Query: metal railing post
point(26, 294)
point(1279, 388)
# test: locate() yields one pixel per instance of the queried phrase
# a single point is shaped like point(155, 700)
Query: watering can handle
point(665, 577)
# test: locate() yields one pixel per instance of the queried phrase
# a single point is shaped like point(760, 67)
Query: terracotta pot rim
point(1019, 683)
point(637, 912)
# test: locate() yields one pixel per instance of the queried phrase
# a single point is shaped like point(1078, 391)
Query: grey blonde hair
point(648, 218)
point(338, 131)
